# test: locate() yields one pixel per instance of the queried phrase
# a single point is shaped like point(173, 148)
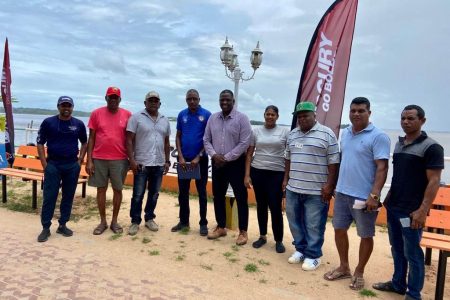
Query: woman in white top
point(264, 171)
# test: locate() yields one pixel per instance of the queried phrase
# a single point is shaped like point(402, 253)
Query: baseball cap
point(112, 90)
point(65, 99)
point(304, 106)
point(152, 94)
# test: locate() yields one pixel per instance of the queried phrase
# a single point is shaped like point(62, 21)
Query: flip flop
point(116, 228)
point(336, 275)
point(100, 229)
point(357, 283)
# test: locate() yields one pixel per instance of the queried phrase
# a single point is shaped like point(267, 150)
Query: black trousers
point(267, 185)
point(183, 196)
point(232, 173)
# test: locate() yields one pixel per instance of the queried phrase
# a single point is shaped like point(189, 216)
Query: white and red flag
point(6, 98)
point(324, 74)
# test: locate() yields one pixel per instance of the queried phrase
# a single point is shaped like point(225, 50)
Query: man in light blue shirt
point(362, 174)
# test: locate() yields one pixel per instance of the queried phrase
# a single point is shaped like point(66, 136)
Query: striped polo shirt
point(310, 154)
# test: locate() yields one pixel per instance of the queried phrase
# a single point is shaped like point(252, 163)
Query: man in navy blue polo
point(61, 166)
point(191, 123)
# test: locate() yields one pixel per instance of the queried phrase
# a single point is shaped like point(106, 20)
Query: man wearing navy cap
point(61, 165)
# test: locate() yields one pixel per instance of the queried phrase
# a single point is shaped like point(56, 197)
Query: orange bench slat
point(442, 197)
point(436, 236)
point(435, 244)
point(439, 219)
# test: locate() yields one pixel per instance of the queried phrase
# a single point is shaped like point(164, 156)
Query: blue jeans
point(64, 175)
point(151, 177)
point(406, 251)
point(307, 216)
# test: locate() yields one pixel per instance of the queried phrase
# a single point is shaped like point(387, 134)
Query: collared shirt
point(359, 152)
point(310, 153)
point(270, 144)
point(192, 127)
point(409, 179)
point(110, 133)
point(228, 136)
point(61, 137)
point(150, 137)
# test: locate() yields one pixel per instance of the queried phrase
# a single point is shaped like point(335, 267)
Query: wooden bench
point(440, 220)
point(441, 201)
point(28, 166)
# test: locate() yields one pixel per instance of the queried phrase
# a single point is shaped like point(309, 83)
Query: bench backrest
point(27, 157)
point(439, 219)
point(442, 197)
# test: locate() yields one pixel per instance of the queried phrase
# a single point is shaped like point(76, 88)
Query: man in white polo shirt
point(311, 164)
point(148, 150)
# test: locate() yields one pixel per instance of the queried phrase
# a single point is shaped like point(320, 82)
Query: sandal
point(387, 287)
point(116, 228)
point(336, 275)
point(100, 229)
point(357, 283)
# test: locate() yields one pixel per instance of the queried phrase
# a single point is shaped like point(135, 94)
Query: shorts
point(344, 214)
point(115, 170)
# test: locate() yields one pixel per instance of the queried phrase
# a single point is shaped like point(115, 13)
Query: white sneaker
point(311, 264)
point(134, 228)
point(296, 258)
point(150, 224)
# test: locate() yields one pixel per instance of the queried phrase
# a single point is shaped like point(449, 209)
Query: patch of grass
point(180, 257)
point(134, 238)
point(115, 236)
point(263, 281)
point(176, 205)
point(292, 283)
point(228, 254)
point(263, 262)
point(367, 293)
point(251, 268)
point(146, 240)
point(233, 259)
point(235, 248)
point(19, 184)
point(153, 252)
point(202, 253)
point(207, 267)
point(184, 231)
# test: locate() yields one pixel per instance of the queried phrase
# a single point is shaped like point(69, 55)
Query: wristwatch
point(375, 197)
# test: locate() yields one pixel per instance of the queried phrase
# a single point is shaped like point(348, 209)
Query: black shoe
point(203, 230)
point(179, 226)
point(387, 287)
point(62, 229)
point(43, 236)
point(279, 247)
point(259, 243)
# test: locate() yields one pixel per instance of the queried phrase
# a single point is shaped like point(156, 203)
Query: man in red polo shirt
point(107, 155)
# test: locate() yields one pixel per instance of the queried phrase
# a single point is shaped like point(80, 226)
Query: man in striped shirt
point(311, 164)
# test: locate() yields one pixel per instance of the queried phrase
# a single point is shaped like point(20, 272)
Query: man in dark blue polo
point(191, 123)
point(61, 167)
point(418, 162)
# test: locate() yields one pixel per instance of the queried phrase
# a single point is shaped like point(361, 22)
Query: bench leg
point(4, 193)
point(428, 256)
point(440, 281)
point(83, 190)
point(34, 196)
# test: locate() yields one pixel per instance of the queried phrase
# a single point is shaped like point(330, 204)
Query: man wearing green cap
point(311, 163)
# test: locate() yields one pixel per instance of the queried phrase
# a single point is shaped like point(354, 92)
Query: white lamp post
point(230, 61)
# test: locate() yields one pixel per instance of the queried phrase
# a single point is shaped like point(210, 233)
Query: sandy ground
point(166, 265)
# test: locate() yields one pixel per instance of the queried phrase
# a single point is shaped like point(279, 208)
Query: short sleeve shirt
point(61, 137)
point(409, 179)
point(270, 144)
point(310, 153)
point(110, 133)
point(192, 127)
point(359, 152)
point(150, 135)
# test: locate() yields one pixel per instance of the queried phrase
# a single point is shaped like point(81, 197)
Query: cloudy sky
point(400, 53)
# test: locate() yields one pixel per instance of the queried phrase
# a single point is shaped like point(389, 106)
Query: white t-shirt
point(270, 145)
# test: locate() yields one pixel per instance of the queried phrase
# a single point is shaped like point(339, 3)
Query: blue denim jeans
point(56, 175)
point(307, 216)
point(151, 177)
point(406, 252)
